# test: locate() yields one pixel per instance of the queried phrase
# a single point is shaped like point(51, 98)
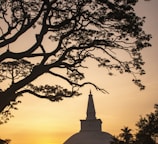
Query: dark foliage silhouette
point(147, 131)
point(77, 30)
point(6, 141)
point(126, 135)
point(147, 128)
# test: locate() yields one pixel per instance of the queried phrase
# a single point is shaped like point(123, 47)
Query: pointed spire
point(90, 108)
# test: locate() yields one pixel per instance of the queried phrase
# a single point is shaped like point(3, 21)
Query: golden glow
point(41, 122)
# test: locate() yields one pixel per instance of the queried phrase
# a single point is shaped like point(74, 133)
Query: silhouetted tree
point(77, 29)
point(126, 135)
point(147, 128)
point(6, 141)
point(146, 134)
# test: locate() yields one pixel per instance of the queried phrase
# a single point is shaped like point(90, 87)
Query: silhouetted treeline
point(147, 131)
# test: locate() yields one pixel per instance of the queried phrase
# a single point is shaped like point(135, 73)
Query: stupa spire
point(90, 108)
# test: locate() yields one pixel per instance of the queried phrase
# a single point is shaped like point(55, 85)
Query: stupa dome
point(91, 131)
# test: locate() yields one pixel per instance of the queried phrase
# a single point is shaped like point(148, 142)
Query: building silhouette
point(91, 129)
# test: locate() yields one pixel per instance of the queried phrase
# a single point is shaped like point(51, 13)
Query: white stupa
point(91, 130)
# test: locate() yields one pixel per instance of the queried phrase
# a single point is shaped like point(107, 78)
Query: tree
point(6, 141)
point(126, 135)
point(77, 29)
point(147, 131)
point(147, 128)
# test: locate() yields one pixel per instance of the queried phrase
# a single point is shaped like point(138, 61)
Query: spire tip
point(90, 93)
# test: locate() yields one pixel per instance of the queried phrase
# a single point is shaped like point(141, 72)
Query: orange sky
point(42, 122)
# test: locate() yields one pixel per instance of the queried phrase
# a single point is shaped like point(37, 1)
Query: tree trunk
point(10, 94)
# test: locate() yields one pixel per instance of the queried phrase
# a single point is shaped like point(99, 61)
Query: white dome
point(90, 138)
point(91, 130)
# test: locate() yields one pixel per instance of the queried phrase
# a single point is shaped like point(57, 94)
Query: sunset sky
point(40, 121)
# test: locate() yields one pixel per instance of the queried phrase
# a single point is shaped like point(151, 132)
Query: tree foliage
point(147, 131)
point(147, 128)
point(76, 29)
point(126, 135)
point(6, 141)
